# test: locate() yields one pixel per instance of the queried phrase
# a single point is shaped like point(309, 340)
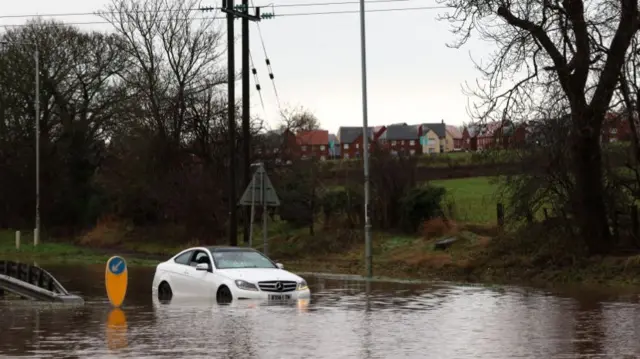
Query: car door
point(180, 273)
point(200, 282)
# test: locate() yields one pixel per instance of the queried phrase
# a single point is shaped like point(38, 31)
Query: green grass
point(50, 252)
point(470, 200)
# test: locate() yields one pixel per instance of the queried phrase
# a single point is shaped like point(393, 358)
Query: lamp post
point(36, 57)
point(365, 144)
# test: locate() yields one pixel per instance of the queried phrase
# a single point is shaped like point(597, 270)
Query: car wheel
point(164, 291)
point(224, 295)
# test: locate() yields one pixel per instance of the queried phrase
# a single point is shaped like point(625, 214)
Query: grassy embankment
point(54, 251)
point(481, 254)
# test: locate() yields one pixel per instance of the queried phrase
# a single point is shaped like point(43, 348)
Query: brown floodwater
point(345, 318)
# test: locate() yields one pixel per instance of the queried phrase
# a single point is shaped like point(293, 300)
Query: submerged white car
point(226, 273)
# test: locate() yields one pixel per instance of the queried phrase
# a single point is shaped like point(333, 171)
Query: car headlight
point(245, 285)
point(302, 285)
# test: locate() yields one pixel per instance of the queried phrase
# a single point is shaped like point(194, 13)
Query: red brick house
point(491, 135)
point(616, 128)
point(400, 139)
point(350, 139)
point(313, 144)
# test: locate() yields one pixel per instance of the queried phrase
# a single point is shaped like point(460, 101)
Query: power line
point(209, 8)
point(266, 58)
point(280, 15)
point(257, 81)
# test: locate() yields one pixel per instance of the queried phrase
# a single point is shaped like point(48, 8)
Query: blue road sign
point(116, 265)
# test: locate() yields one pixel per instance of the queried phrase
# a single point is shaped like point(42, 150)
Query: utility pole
point(36, 234)
point(365, 144)
point(246, 135)
point(232, 13)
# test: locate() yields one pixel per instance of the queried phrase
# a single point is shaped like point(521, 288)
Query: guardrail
point(33, 282)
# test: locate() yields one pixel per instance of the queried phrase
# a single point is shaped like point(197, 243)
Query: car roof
point(219, 249)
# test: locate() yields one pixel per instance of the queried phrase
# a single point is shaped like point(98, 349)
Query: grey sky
point(413, 77)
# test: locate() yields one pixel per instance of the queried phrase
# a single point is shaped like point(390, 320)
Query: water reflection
point(116, 330)
point(343, 319)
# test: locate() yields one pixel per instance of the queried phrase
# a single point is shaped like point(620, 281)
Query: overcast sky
point(413, 77)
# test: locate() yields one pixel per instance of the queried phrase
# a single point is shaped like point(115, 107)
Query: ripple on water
point(346, 318)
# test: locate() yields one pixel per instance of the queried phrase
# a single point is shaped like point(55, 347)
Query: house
point(400, 139)
point(276, 145)
point(480, 136)
point(313, 144)
point(430, 142)
point(456, 135)
point(445, 139)
point(350, 139)
point(616, 128)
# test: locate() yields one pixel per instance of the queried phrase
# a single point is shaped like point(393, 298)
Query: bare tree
point(568, 48)
point(298, 119)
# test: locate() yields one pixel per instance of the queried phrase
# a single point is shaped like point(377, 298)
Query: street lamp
point(365, 144)
point(36, 56)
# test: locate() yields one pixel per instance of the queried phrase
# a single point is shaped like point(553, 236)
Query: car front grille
point(272, 286)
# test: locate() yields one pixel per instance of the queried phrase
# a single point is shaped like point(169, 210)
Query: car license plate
point(279, 296)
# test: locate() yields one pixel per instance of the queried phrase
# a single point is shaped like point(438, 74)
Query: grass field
point(52, 252)
point(471, 200)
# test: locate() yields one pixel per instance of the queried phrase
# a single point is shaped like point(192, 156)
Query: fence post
point(634, 221)
point(35, 237)
point(17, 239)
point(616, 233)
point(500, 214)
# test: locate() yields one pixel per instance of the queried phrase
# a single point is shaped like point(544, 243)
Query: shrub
point(420, 204)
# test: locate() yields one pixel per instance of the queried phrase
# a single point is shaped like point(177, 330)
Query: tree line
point(132, 121)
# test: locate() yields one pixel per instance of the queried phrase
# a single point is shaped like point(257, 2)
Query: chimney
point(443, 121)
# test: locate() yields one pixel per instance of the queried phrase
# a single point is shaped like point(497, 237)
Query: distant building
point(400, 139)
point(313, 144)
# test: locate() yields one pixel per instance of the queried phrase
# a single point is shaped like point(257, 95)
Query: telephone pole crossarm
point(241, 14)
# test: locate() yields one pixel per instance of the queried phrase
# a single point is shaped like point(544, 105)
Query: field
point(470, 200)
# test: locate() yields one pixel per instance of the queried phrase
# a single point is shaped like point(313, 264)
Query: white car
point(226, 273)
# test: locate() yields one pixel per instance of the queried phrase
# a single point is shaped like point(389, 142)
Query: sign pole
point(265, 239)
point(253, 209)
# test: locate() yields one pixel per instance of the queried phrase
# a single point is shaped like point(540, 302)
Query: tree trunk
point(588, 197)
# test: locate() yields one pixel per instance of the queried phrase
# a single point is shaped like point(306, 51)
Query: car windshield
point(241, 259)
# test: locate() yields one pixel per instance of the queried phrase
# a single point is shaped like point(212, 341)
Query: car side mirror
point(203, 266)
point(280, 265)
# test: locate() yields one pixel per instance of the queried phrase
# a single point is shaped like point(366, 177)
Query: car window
point(184, 258)
point(200, 257)
point(241, 259)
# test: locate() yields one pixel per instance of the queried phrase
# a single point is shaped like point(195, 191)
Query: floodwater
point(345, 318)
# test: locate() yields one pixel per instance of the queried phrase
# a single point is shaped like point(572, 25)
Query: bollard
point(35, 237)
point(17, 239)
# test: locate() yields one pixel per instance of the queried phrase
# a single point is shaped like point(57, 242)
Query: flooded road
point(343, 319)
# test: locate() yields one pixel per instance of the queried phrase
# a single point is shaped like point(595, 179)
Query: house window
point(304, 148)
point(412, 152)
point(614, 131)
point(346, 147)
point(433, 139)
point(321, 147)
point(401, 142)
point(412, 143)
point(432, 150)
point(357, 145)
point(393, 143)
point(346, 155)
point(322, 158)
